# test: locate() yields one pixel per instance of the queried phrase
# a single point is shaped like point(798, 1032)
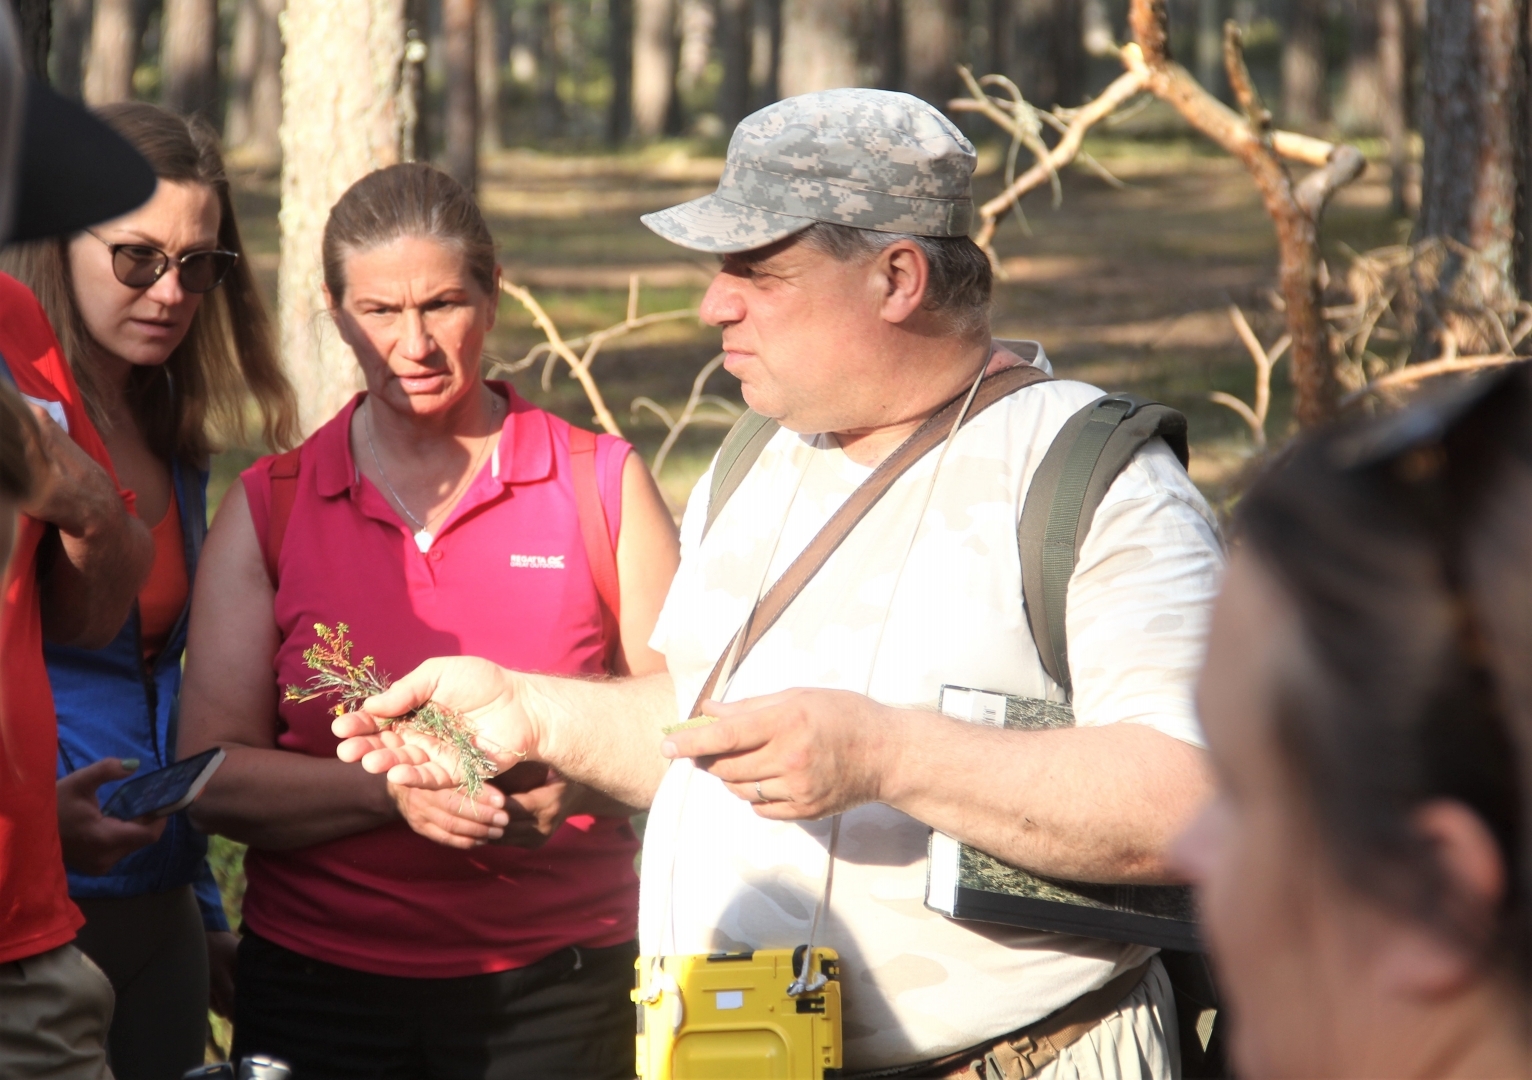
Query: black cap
point(73, 170)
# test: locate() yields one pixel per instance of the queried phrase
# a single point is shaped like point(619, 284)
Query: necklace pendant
point(423, 541)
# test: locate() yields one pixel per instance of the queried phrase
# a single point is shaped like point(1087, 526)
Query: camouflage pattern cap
point(872, 159)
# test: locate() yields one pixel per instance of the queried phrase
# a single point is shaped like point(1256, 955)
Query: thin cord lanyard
point(726, 679)
point(804, 983)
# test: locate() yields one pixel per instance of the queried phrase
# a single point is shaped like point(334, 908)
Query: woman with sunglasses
point(166, 334)
point(1365, 872)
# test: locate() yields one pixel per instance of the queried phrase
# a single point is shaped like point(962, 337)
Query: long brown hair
point(199, 397)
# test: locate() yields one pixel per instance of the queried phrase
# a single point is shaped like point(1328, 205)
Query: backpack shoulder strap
point(284, 492)
point(1093, 446)
point(596, 534)
point(741, 447)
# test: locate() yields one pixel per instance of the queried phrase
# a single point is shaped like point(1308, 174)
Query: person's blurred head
point(164, 296)
point(412, 284)
point(1364, 872)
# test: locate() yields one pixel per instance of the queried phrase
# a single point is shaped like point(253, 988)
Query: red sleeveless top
point(506, 578)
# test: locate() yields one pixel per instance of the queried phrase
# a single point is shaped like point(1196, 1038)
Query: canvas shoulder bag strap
point(596, 535)
point(739, 451)
point(284, 492)
point(926, 438)
point(1093, 446)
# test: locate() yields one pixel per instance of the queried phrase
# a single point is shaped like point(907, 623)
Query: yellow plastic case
point(728, 1015)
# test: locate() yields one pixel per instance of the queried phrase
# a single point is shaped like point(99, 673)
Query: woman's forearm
point(279, 799)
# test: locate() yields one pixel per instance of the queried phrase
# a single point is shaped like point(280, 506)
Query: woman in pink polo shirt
point(386, 933)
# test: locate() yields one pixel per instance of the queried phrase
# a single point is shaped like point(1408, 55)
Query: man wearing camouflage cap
point(854, 308)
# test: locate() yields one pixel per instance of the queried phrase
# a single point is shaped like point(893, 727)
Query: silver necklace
point(422, 537)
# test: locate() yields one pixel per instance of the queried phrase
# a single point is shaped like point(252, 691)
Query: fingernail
point(501, 819)
point(129, 764)
point(668, 748)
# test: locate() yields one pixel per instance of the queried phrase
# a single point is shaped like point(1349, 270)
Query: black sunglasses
point(139, 266)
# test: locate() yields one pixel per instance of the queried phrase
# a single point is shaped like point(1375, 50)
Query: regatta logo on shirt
point(537, 562)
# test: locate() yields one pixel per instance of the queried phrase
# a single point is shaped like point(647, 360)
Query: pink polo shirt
point(506, 578)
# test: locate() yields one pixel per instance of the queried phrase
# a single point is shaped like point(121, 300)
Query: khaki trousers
point(55, 1011)
point(1136, 1041)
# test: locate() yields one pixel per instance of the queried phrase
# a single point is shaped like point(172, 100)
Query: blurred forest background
point(571, 117)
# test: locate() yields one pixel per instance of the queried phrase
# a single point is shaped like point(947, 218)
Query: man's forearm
point(602, 733)
point(1091, 804)
point(102, 560)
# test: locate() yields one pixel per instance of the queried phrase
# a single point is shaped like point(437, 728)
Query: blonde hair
point(200, 395)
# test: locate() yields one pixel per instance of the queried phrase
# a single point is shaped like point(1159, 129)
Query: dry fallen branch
point(1416, 373)
point(1049, 162)
point(689, 415)
point(558, 348)
point(1264, 359)
point(1294, 208)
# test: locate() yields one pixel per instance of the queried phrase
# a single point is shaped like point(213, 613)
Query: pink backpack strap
point(284, 492)
point(597, 536)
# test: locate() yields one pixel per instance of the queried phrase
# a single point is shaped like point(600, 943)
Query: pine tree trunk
point(189, 56)
point(931, 32)
point(696, 26)
point(244, 61)
point(487, 67)
point(550, 109)
point(115, 37)
point(1474, 122)
point(254, 118)
point(818, 45)
point(1002, 36)
point(34, 20)
point(1393, 98)
point(654, 65)
point(1210, 71)
point(71, 30)
point(1303, 64)
point(1096, 36)
point(1068, 53)
point(1361, 104)
point(619, 52)
point(340, 92)
point(459, 19)
point(412, 82)
point(888, 44)
point(734, 36)
point(766, 53)
point(1033, 66)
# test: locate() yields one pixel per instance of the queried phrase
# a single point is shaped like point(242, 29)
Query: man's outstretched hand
point(797, 754)
point(481, 693)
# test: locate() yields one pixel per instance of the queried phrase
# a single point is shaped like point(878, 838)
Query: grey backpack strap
point(1093, 446)
point(741, 447)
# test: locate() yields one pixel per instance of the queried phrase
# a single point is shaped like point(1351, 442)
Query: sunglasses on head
point(139, 266)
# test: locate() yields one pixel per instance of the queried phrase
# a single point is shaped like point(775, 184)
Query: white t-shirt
point(915, 984)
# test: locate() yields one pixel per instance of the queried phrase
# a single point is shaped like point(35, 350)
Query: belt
point(1025, 1052)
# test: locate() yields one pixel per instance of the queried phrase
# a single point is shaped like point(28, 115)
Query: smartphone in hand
point(164, 791)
